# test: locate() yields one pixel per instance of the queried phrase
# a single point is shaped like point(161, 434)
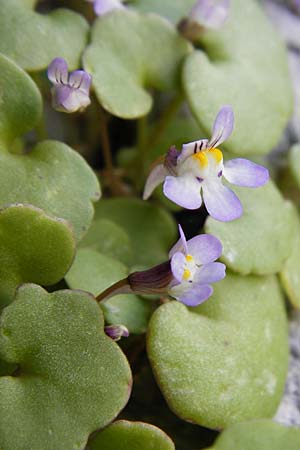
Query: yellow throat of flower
point(202, 156)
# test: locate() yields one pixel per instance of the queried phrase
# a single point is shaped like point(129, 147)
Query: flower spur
point(187, 276)
point(197, 172)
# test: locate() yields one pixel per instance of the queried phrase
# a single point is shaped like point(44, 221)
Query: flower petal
point(155, 177)
point(177, 265)
point(68, 100)
point(185, 191)
point(190, 148)
point(223, 126)
point(181, 244)
point(243, 172)
point(79, 79)
point(194, 295)
point(104, 6)
point(221, 203)
point(204, 248)
point(58, 71)
point(210, 273)
point(210, 13)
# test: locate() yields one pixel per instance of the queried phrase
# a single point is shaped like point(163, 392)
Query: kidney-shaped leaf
point(226, 360)
point(110, 239)
point(247, 70)
point(174, 10)
point(290, 273)
point(151, 229)
point(18, 113)
point(294, 163)
point(125, 435)
point(126, 57)
point(261, 240)
point(33, 40)
point(95, 272)
point(33, 248)
point(258, 435)
point(73, 378)
point(51, 176)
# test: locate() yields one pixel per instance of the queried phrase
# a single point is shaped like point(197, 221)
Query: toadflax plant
point(148, 277)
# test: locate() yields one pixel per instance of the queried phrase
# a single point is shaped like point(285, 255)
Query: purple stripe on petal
point(210, 273)
point(190, 148)
point(243, 172)
point(221, 203)
point(156, 177)
point(58, 71)
point(196, 295)
point(204, 248)
point(177, 265)
point(79, 79)
point(185, 191)
point(222, 127)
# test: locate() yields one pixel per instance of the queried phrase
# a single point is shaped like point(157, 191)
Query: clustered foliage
point(82, 265)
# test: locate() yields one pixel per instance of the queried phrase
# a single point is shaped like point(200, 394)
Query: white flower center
point(203, 164)
point(190, 268)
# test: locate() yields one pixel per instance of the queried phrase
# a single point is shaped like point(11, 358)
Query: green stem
point(105, 144)
point(114, 182)
point(164, 121)
point(145, 143)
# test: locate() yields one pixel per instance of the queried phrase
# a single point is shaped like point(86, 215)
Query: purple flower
point(102, 7)
point(194, 268)
point(70, 92)
point(199, 169)
point(116, 332)
point(187, 276)
point(210, 13)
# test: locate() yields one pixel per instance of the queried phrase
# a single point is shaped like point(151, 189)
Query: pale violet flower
point(116, 332)
point(194, 268)
point(187, 276)
point(197, 171)
point(70, 92)
point(210, 13)
point(102, 7)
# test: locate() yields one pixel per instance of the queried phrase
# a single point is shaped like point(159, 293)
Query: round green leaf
point(258, 435)
point(261, 240)
point(33, 40)
point(109, 239)
point(124, 435)
point(151, 229)
point(174, 10)
point(247, 70)
point(290, 273)
point(226, 360)
point(33, 248)
point(73, 378)
point(126, 58)
point(51, 176)
point(95, 272)
point(294, 163)
point(18, 113)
